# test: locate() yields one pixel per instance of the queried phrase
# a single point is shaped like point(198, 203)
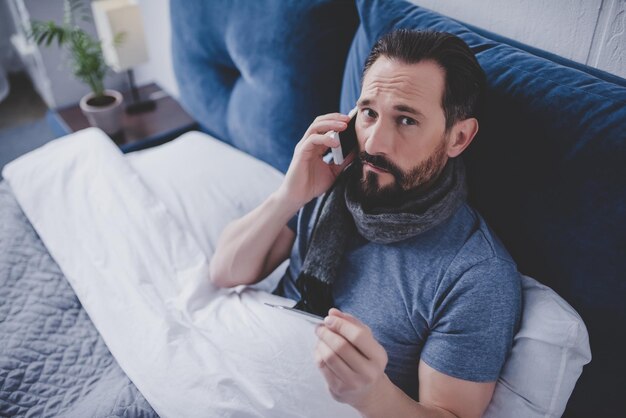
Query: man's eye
point(369, 113)
point(407, 121)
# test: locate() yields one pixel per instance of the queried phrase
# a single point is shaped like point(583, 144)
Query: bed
point(547, 171)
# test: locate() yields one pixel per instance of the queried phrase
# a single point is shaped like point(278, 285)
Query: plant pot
point(105, 112)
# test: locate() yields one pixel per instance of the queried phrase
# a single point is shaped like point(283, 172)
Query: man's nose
point(378, 139)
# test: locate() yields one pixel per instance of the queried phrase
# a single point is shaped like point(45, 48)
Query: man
point(426, 300)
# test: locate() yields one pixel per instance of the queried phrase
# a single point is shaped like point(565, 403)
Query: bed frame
point(547, 169)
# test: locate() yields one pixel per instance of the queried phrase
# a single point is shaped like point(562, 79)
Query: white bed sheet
point(206, 184)
point(142, 276)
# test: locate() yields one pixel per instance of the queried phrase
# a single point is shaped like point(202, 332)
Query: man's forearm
point(389, 401)
point(254, 244)
point(244, 245)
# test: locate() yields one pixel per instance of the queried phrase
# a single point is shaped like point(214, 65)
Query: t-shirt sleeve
point(475, 316)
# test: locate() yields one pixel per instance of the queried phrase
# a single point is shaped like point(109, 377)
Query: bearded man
point(421, 301)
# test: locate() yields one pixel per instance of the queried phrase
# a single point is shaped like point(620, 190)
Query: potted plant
point(102, 107)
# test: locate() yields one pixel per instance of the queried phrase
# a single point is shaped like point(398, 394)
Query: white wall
point(156, 20)
point(9, 59)
point(592, 32)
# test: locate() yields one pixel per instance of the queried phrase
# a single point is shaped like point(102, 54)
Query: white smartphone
point(347, 139)
point(297, 312)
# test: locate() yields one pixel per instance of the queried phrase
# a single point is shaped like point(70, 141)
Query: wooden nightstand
point(139, 131)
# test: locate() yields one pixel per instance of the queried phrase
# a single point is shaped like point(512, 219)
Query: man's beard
point(371, 194)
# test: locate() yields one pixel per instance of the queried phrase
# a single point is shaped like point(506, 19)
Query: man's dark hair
point(464, 78)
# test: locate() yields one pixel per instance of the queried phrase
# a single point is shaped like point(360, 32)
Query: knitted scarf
point(341, 215)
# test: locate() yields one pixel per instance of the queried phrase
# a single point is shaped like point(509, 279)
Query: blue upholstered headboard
point(547, 170)
point(256, 73)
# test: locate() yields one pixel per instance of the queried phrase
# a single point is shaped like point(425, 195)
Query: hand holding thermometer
point(347, 139)
point(297, 312)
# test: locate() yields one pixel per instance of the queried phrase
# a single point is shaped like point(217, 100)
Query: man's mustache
point(381, 162)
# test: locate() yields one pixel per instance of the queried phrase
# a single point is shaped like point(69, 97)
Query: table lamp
point(114, 17)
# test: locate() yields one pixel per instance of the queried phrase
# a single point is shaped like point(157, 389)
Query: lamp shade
point(113, 17)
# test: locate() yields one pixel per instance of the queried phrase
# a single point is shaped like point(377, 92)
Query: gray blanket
point(53, 362)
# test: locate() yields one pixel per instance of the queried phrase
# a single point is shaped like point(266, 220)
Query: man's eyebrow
point(399, 107)
point(407, 109)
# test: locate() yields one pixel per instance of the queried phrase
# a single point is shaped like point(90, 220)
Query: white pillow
point(206, 184)
point(548, 355)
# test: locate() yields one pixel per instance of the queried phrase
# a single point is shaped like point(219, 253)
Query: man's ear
point(463, 132)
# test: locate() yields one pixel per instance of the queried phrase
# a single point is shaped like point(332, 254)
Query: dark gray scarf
point(341, 216)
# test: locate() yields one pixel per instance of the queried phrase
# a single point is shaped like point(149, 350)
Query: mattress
point(128, 248)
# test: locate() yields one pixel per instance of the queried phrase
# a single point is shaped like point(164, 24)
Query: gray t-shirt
point(450, 296)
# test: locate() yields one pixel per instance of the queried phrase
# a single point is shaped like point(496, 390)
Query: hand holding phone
point(310, 173)
point(347, 139)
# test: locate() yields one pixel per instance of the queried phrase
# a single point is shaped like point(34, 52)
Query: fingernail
point(329, 320)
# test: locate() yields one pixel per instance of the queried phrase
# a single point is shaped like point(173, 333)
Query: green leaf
point(87, 60)
point(41, 37)
point(62, 37)
point(49, 38)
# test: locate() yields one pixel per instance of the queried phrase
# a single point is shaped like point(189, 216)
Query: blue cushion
point(548, 172)
point(255, 74)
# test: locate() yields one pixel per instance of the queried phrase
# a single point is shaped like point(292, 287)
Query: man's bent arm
point(441, 396)
point(253, 246)
point(353, 364)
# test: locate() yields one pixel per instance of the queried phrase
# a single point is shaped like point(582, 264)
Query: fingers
point(317, 145)
point(330, 122)
point(357, 333)
point(331, 116)
point(326, 140)
point(341, 314)
point(317, 133)
point(339, 350)
point(342, 356)
point(324, 126)
point(329, 375)
point(325, 356)
point(318, 142)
